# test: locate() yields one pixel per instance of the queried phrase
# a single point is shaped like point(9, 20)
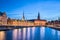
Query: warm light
point(2, 35)
point(28, 33)
point(15, 34)
point(33, 30)
point(24, 33)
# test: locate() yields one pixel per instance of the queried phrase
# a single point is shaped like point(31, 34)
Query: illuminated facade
point(39, 22)
point(3, 18)
point(23, 22)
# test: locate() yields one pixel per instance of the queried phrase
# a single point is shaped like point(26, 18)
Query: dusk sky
point(49, 9)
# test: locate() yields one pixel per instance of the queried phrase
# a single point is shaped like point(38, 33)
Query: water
point(31, 33)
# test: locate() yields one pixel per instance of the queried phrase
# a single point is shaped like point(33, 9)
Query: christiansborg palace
point(4, 20)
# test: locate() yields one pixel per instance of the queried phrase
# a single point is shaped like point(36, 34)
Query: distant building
point(3, 18)
point(40, 22)
point(54, 22)
point(23, 22)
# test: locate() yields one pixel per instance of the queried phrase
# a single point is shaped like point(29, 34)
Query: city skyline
point(48, 9)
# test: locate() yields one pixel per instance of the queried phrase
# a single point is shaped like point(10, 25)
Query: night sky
point(49, 9)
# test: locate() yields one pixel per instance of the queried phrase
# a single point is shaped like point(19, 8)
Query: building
point(40, 22)
point(11, 21)
point(23, 22)
point(3, 18)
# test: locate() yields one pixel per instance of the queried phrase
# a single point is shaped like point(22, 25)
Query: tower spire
point(23, 18)
point(38, 16)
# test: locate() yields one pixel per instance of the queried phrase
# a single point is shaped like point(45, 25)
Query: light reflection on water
point(42, 31)
point(15, 34)
point(58, 35)
point(24, 33)
point(2, 35)
point(31, 33)
point(28, 34)
point(33, 30)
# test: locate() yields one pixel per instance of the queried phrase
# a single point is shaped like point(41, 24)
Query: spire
point(38, 16)
point(23, 18)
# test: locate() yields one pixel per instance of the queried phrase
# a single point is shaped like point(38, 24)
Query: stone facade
point(14, 22)
point(40, 22)
point(3, 18)
point(23, 22)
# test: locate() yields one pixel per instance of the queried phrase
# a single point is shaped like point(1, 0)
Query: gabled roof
point(1, 13)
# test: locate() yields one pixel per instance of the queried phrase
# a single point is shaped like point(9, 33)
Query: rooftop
point(1, 13)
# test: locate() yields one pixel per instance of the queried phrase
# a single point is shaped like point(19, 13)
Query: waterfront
point(30, 33)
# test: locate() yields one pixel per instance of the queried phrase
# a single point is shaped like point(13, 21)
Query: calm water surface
point(31, 33)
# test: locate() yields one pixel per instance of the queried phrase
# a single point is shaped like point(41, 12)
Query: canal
point(30, 33)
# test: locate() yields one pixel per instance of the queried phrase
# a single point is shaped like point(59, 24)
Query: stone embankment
point(54, 26)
